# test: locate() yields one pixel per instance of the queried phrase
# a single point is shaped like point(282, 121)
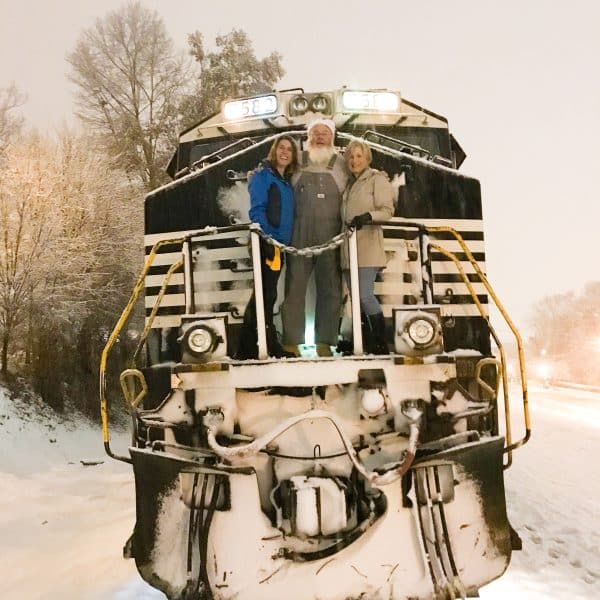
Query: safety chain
point(332, 244)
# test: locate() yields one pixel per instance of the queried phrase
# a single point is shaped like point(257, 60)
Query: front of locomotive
point(350, 476)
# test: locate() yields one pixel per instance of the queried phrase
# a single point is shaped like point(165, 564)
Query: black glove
point(267, 250)
point(361, 220)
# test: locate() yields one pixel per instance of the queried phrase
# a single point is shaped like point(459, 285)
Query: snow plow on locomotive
point(354, 475)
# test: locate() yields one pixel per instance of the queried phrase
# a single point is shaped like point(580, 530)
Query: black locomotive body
point(351, 476)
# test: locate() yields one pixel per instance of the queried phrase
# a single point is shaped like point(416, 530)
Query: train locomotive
point(351, 476)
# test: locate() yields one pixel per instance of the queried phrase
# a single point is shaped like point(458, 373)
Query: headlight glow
point(421, 331)
point(252, 107)
point(370, 101)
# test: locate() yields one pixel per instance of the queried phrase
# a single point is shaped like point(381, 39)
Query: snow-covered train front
point(350, 476)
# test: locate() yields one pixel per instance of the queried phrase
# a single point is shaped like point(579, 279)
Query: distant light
point(250, 108)
point(371, 101)
point(543, 370)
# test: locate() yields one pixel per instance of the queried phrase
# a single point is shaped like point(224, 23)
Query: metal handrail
point(510, 446)
point(135, 294)
point(403, 145)
point(509, 322)
point(150, 320)
point(446, 229)
point(218, 152)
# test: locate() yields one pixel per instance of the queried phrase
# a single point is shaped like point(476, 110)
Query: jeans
point(369, 305)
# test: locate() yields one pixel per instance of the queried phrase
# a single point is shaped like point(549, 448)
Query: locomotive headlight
point(203, 339)
point(250, 108)
point(370, 101)
point(319, 104)
point(299, 105)
point(418, 332)
point(421, 331)
point(200, 339)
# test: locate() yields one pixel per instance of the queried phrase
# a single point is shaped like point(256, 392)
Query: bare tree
point(10, 123)
point(129, 84)
point(229, 72)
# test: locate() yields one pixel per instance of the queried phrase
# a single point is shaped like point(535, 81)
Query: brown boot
point(291, 349)
point(324, 350)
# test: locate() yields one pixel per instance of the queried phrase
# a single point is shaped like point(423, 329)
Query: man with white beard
point(318, 188)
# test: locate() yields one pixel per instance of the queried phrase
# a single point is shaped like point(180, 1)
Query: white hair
point(320, 121)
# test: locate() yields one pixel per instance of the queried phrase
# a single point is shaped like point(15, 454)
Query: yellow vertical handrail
point(521, 356)
point(163, 290)
point(137, 289)
point(484, 316)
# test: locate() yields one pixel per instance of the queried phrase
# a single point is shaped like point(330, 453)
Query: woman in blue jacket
point(272, 207)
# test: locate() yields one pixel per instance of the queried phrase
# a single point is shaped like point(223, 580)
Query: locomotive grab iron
point(351, 476)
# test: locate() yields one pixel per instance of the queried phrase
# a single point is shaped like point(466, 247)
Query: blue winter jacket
point(272, 202)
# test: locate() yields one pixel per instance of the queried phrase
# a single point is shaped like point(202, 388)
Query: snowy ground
point(63, 524)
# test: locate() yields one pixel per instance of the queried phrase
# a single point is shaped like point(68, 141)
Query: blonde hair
point(272, 156)
point(362, 146)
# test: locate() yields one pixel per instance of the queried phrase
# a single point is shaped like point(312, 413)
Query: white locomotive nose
point(372, 402)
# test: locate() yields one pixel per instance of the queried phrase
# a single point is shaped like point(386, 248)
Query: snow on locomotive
point(351, 476)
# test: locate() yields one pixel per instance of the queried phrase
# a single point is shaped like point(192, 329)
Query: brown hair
point(272, 156)
point(363, 146)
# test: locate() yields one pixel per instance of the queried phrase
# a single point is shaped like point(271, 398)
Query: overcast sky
point(517, 79)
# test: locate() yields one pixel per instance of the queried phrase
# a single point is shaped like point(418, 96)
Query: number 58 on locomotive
point(362, 474)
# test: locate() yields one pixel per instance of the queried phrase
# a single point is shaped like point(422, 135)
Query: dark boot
point(378, 344)
point(346, 347)
point(247, 345)
point(274, 347)
point(367, 334)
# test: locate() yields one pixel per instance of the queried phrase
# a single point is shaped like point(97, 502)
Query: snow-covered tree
point(130, 81)
point(71, 245)
point(230, 71)
point(26, 227)
point(10, 122)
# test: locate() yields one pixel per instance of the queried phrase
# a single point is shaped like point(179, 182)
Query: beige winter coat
point(372, 192)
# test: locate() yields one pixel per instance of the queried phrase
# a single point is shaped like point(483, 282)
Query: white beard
point(320, 156)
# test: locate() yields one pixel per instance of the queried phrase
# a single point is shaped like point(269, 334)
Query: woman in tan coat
point(368, 197)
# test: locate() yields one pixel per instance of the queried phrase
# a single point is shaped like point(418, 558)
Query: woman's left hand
point(361, 220)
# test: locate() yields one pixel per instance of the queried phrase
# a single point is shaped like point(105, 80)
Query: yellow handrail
point(163, 289)
point(137, 289)
point(132, 398)
point(453, 258)
point(488, 287)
